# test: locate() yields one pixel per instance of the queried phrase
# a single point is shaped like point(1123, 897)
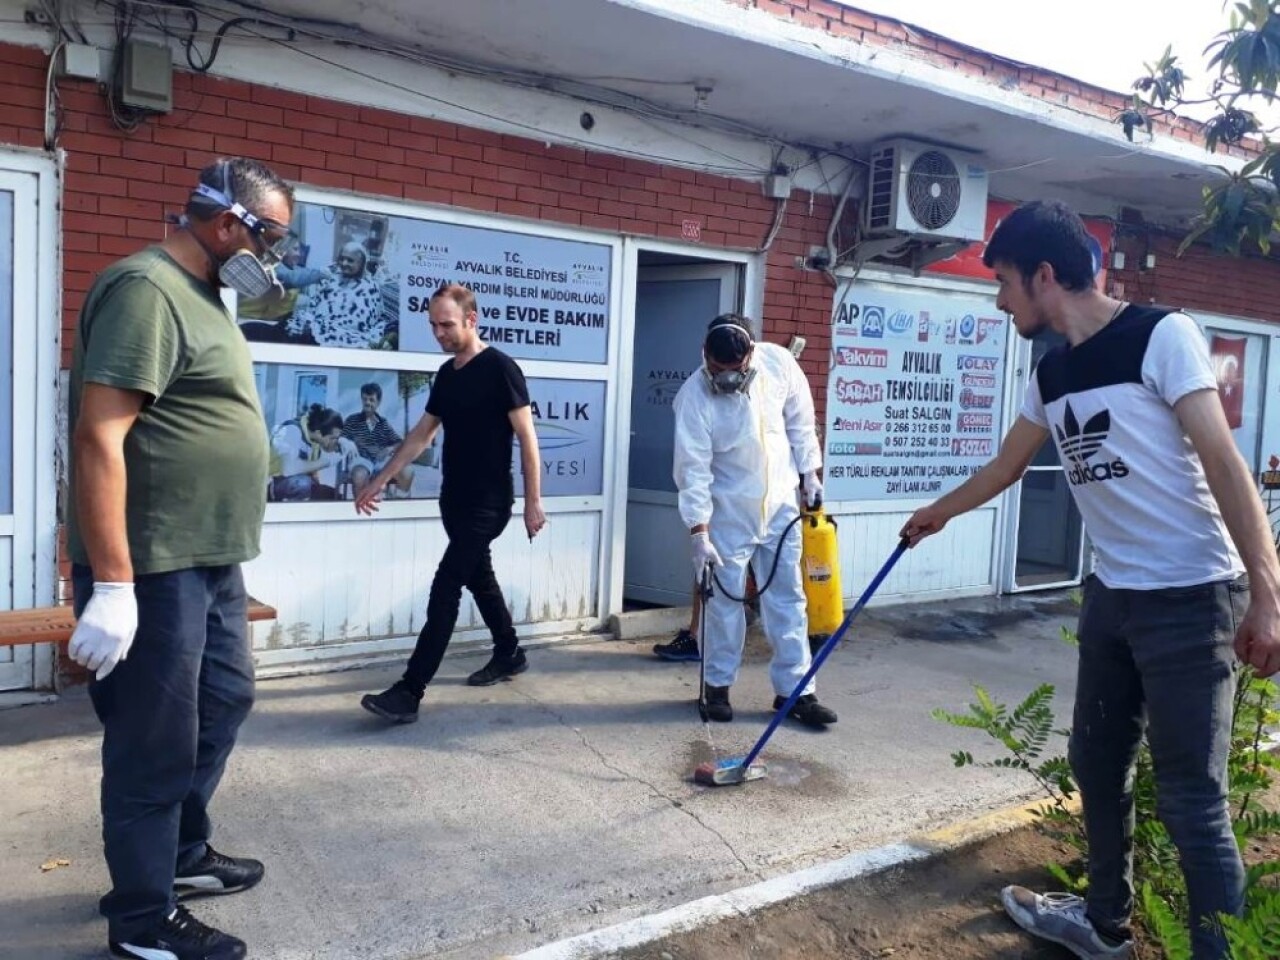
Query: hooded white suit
point(737, 464)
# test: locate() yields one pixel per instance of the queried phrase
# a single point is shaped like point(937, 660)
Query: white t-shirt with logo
point(1136, 478)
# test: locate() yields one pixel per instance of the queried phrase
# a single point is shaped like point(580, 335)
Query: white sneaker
point(1061, 919)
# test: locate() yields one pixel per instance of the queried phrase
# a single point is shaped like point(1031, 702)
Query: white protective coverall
point(737, 464)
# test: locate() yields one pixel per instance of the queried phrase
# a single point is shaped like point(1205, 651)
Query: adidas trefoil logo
point(1078, 444)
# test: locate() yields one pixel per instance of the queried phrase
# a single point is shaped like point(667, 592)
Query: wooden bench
point(55, 624)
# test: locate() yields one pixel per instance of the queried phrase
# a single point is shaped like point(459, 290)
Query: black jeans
point(170, 713)
point(467, 562)
point(1162, 660)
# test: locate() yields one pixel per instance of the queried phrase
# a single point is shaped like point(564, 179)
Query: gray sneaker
point(1060, 918)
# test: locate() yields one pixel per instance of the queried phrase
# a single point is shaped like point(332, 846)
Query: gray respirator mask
point(728, 382)
point(728, 340)
point(247, 273)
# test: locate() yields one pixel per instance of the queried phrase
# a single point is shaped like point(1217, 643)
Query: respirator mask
point(249, 274)
point(727, 382)
point(726, 340)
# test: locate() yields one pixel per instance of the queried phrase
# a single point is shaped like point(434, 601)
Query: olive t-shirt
point(196, 457)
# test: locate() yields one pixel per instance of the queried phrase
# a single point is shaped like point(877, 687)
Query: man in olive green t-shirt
point(168, 474)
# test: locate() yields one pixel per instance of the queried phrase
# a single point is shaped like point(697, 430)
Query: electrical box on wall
point(146, 81)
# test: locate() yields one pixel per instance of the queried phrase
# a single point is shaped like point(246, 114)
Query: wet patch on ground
point(974, 621)
point(796, 775)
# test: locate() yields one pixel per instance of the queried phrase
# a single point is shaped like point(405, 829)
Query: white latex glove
point(812, 488)
point(104, 632)
point(703, 553)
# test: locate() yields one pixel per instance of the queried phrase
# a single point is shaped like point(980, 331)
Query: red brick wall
point(119, 186)
point(848, 23)
point(1247, 287)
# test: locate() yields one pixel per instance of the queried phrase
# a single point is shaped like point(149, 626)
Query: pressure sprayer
point(820, 571)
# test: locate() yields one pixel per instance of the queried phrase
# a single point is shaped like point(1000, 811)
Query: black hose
point(777, 555)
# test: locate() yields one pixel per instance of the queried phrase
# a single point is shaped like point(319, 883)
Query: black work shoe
point(808, 711)
point(398, 704)
point(718, 706)
point(217, 874)
point(683, 648)
point(180, 936)
point(499, 668)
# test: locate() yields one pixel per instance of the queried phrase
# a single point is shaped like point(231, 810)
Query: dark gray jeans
point(1160, 661)
point(170, 713)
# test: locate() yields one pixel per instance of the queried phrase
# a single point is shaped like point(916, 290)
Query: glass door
point(1049, 537)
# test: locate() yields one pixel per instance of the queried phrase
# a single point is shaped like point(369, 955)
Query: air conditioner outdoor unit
point(925, 191)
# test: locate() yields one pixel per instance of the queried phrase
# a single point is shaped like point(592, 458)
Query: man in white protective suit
point(744, 432)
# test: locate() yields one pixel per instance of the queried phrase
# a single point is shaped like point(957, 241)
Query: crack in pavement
point(610, 765)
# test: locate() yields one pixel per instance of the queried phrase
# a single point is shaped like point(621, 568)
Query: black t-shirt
point(474, 404)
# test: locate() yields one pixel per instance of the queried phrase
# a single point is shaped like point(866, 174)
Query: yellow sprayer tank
point(820, 567)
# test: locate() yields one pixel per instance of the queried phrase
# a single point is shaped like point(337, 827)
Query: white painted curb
point(735, 903)
point(747, 900)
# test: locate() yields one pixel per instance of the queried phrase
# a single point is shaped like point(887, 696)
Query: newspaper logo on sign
point(970, 448)
point(974, 423)
point(856, 449)
point(967, 327)
point(859, 391)
point(986, 327)
point(926, 327)
point(983, 381)
point(970, 362)
point(951, 330)
point(901, 323)
point(969, 400)
point(862, 357)
point(872, 321)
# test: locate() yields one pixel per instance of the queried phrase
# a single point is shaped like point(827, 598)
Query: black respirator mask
point(249, 274)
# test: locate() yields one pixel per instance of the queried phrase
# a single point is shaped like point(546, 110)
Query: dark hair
point(728, 338)
point(243, 180)
point(1044, 232)
point(371, 389)
point(457, 292)
point(322, 419)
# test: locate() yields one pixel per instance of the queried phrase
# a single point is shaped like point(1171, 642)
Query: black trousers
point(170, 714)
point(467, 562)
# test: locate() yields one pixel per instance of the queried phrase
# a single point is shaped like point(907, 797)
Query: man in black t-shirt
point(481, 399)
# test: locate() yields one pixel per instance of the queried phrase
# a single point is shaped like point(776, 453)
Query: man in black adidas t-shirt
point(1131, 403)
point(481, 400)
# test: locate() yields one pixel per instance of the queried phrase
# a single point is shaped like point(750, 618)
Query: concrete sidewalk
point(518, 814)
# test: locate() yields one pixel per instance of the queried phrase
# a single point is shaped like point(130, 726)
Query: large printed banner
point(913, 397)
point(355, 419)
point(364, 280)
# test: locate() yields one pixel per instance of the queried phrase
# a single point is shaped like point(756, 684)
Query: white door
point(18, 426)
point(673, 307)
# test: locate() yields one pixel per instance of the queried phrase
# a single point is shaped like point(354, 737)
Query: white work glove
point(812, 488)
point(104, 632)
point(703, 553)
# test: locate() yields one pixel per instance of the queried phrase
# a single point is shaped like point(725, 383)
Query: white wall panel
point(955, 562)
point(350, 582)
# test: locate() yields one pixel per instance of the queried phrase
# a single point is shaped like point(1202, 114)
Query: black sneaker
point(217, 874)
point(683, 648)
point(397, 704)
point(808, 711)
point(499, 668)
point(180, 936)
point(718, 707)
